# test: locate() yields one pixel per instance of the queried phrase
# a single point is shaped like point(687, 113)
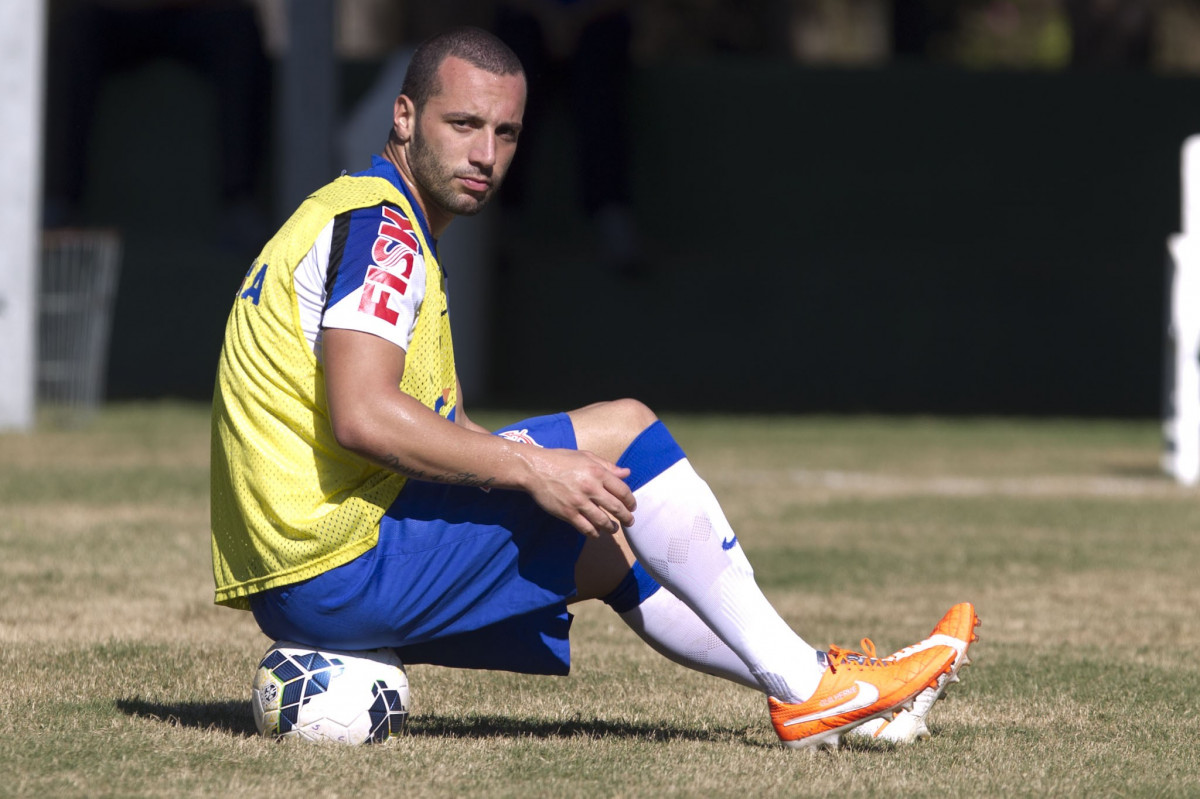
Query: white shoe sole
point(908, 726)
point(832, 740)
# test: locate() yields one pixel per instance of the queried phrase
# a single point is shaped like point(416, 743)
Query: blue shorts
point(460, 577)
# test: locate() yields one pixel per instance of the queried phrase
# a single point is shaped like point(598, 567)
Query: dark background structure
point(933, 229)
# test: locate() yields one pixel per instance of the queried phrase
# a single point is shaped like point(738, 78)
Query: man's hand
point(582, 489)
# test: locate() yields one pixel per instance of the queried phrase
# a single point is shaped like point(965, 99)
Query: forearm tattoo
point(469, 479)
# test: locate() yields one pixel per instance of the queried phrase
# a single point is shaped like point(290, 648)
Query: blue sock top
point(649, 455)
point(635, 588)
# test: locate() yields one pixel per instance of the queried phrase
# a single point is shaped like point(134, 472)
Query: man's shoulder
point(386, 230)
point(351, 192)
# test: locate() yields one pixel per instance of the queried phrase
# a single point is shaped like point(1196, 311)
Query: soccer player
point(356, 506)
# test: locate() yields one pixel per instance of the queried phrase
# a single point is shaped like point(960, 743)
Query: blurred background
point(808, 206)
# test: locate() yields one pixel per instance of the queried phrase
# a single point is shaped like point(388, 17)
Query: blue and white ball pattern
point(335, 696)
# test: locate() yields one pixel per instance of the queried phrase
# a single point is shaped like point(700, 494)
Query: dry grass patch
point(125, 680)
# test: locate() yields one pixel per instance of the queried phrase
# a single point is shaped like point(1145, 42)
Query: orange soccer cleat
point(956, 629)
point(857, 688)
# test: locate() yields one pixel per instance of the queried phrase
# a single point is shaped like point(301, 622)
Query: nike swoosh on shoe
point(867, 694)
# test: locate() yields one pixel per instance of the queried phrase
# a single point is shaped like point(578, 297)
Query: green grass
point(121, 678)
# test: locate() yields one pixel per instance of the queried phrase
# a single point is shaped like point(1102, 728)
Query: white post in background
point(1181, 427)
point(22, 44)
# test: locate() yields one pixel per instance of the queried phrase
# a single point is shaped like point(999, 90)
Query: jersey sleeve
point(376, 274)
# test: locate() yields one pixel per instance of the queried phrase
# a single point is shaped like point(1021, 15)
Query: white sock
point(682, 539)
point(673, 630)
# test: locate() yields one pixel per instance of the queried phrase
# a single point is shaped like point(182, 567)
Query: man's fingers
point(620, 489)
point(601, 516)
point(594, 498)
point(594, 522)
point(620, 512)
point(619, 471)
point(626, 503)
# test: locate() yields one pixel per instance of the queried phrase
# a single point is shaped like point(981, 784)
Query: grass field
point(121, 678)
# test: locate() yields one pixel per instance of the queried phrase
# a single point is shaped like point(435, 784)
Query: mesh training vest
point(288, 502)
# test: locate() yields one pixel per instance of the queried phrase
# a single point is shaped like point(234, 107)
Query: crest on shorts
point(520, 436)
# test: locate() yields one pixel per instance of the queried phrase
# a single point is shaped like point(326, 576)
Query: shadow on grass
point(433, 725)
point(233, 717)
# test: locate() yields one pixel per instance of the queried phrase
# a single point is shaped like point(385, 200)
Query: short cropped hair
point(476, 46)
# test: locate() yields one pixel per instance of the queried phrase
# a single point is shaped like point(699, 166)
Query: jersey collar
point(383, 168)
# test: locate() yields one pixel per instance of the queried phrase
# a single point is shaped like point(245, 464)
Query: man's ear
point(404, 118)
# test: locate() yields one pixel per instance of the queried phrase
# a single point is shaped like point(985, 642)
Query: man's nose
point(483, 154)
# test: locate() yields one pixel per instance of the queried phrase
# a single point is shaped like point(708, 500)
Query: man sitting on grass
point(356, 506)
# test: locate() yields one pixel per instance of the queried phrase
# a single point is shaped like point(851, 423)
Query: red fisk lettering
point(378, 289)
point(395, 237)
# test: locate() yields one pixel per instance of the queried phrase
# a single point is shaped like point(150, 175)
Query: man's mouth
point(474, 183)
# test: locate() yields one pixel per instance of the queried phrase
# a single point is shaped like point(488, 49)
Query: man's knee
point(630, 415)
point(607, 428)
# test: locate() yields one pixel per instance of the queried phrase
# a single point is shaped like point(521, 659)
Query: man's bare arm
point(371, 416)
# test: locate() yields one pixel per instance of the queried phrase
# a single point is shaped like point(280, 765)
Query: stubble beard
point(436, 181)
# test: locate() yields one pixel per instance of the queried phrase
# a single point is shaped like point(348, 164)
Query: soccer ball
point(328, 695)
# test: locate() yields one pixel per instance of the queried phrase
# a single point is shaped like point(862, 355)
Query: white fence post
point(1181, 427)
point(22, 33)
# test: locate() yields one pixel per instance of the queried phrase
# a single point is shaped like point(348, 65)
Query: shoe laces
point(838, 656)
